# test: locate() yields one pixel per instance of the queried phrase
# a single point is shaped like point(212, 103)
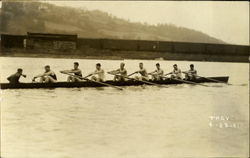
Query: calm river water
point(141, 121)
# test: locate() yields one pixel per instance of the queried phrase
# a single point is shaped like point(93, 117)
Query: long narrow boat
point(93, 84)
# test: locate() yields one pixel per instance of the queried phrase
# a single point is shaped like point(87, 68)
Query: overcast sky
point(228, 21)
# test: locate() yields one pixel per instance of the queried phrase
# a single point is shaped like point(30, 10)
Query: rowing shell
point(93, 84)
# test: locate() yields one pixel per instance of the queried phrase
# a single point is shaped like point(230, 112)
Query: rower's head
point(141, 65)
point(175, 66)
point(191, 66)
point(76, 64)
point(98, 66)
point(157, 66)
point(20, 71)
point(122, 65)
point(47, 68)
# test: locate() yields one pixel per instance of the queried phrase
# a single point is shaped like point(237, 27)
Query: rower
point(98, 74)
point(143, 72)
point(176, 73)
point(16, 76)
point(120, 73)
point(76, 71)
point(191, 74)
point(47, 77)
point(158, 73)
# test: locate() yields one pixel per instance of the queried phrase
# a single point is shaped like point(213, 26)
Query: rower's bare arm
point(98, 72)
point(168, 73)
point(126, 73)
point(161, 73)
point(44, 74)
point(114, 72)
point(48, 73)
point(152, 72)
point(40, 75)
point(75, 71)
point(65, 71)
point(70, 71)
point(92, 73)
point(34, 78)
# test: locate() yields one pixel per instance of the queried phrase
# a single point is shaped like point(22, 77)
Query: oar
point(132, 74)
point(211, 79)
point(85, 78)
point(189, 82)
point(79, 77)
point(151, 73)
point(147, 82)
point(167, 74)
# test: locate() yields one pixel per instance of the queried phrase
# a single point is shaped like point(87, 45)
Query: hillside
point(22, 17)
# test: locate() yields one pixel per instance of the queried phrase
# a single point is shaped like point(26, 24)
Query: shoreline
point(24, 55)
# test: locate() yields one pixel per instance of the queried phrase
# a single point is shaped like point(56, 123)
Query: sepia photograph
point(124, 79)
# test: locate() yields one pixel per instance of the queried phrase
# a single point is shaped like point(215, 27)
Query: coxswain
point(120, 73)
point(98, 74)
point(16, 76)
point(158, 73)
point(76, 73)
point(47, 77)
point(143, 72)
point(191, 74)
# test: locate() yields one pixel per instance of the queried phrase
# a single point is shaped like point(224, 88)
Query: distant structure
point(44, 41)
point(70, 45)
point(50, 41)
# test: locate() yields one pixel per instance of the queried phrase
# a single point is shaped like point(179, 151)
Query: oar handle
point(110, 72)
point(80, 77)
point(168, 74)
point(85, 78)
point(151, 73)
point(132, 74)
